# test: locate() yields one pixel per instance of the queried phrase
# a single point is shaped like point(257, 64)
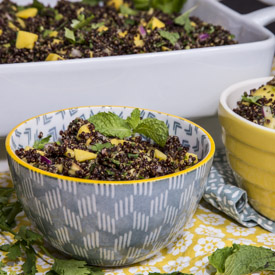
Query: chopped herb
point(184, 20)
point(99, 146)
point(83, 22)
point(242, 259)
point(109, 172)
point(91, 2)
point(172, 37)
point(38, 5)
point(168, 6)
point(116, 162)
point(211, 29)
point(133, 156)
point(97, 25)
point(40, 143)
point(127, 11)
point(129, 21)
point(251, 99)
point(69, 34)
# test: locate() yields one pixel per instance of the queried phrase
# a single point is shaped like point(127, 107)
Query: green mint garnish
point(69, 34)
point(242, 259)
point(127, 11)
point(82, 22)
point(154, 129)
point(90, 2)
point(133, 155)
point(40, 143)
point(168, 6)
point(109, 124)
point(251, 99)
point(134, 119)
point(99, 146)
point(172, 37)
point(38, 5)
point(97, 25)
point(184, 20)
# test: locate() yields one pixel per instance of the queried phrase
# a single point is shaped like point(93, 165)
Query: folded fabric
point(222, 192)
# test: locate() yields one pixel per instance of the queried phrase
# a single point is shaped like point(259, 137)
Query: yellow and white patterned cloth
point(207, 231)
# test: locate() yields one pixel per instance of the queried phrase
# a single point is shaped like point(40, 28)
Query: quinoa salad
point(258, 105)
point(94, 28)
point(84, 152)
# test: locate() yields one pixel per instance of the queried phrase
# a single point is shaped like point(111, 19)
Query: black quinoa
point(253, 111)
point(133, 159)
point(90, 42)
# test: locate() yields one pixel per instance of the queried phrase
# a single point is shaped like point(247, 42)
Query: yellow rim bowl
point(250, 149)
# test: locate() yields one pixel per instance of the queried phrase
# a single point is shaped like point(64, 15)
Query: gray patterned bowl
point(108, 223)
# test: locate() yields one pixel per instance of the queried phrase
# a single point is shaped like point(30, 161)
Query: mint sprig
point(40, 143)
point(184, 20)
point(251, 99)
point(242, 259)
point(172, 37)
point(109, 124)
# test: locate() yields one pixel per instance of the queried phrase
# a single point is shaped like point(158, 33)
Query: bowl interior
point(190, 134)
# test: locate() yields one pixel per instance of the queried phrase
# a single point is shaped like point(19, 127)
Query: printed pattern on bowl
point(109, 223)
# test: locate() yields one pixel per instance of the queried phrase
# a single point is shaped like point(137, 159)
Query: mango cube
point(54, 57)
point(13, 27)
point(159, 155)
point(138, 42)
point(83, 129)
point(30, 12)
point(25, 40)
point(69, 153)
point(53, 34)
point(21, 23)
point(116, 141)
point(1, 31)
point(81, 155)
point(193, 156)
point(115, 3)
point(122, 34)
point(155, 23)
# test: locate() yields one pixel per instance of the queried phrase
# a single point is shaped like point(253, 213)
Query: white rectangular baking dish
point(185, 83)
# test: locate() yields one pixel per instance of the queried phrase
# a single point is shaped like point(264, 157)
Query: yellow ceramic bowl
point(250, 149)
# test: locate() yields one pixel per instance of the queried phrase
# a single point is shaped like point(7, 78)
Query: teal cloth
point(222, 192)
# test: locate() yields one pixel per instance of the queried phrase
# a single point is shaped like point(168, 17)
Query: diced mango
point(91, 53)
point(6, 45)
point(266, 91)
point(21, 23)
point(73, 169)
point(155, 23)
point(1, 31)
point(192, 155)
point(54, 57)
point(193, 24)
point(27, 148)
point(53, 34)
point(122, 34)
point(116, 141)
point(102, 29)
point(79, 11)
point(138, 42)
point(25, 40)
point(83, 129)
point(69, 153)
point(165, 48)
point(59, 167)
point(81, 155)
point(143, 22)
point(30, 12)
point(159, 155)
point(88, 142)
point(13, 27)
point(115, 3)
point(56, 41)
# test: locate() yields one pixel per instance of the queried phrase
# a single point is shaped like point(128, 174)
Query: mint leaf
point(109, 124)
point(184, 20)
point(172, 37)
point(38, 5)
point(40, 143)
point(243, 259)
point(251, 99)
point(69, 34)
point(217, 259)
point(90, 2)
point(168, 6)
point(97, 25)
point(142, 4)
point(14, 251)
point(154, 129)
point(127, 11)
point(74, 23)
point(134, 119)
point(99, 146)
point(82, 23)
point(29, 266)
point(72, 267)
